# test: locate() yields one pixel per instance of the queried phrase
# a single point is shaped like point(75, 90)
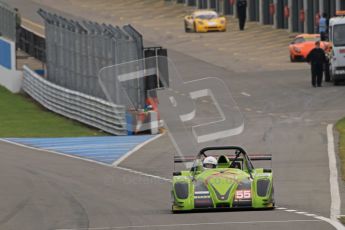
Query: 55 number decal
point(243, 194)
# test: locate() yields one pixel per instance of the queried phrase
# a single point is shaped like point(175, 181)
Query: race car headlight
point(181, 190)
point(262, 187)
point(298, 50)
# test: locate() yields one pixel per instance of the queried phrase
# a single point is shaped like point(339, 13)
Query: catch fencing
point(7, 21)
point(32, 43)
point(77, 50)
point(75, 105)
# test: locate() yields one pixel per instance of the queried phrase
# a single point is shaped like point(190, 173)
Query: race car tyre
point(175, 211)
point(186, 28)
point(195, 28)
point(292, 59)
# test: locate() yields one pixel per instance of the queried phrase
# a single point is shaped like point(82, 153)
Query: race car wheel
point(292, 59)
point(195, 28)
point(174, 211)
point(186, 28)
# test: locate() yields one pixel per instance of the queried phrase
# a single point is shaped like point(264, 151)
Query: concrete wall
point(11, 79)
point(259, 10)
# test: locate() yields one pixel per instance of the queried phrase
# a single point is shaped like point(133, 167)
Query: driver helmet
point(209, 162)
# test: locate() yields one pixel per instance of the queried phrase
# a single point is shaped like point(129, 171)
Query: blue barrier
point(129, 121)
point(39, 72)
point(5, 54)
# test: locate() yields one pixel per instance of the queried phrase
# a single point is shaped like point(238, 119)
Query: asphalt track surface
point(283, 115)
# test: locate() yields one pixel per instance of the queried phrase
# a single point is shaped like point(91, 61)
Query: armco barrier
point(78, 106)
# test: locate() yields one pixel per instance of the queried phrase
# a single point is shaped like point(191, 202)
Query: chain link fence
point(77, 50)
point(7, 21)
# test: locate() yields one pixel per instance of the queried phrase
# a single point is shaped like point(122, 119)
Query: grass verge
point(21, 116)
point(340, 126)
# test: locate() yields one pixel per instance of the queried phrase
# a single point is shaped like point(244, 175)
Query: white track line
point(301, 212)
point(191, 224)
point(336, 224)
point(245, 94)
point(333, 176)
point(143, 174)
point(310, 214)
point(118, 161)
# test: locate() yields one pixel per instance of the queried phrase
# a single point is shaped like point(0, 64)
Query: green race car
point(233, 183)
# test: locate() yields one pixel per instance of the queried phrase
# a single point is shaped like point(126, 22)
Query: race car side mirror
point(177, 173)
point(267, 170)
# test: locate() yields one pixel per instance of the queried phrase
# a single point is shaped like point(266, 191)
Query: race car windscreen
point(339, 35)
point(206, 16)
point(311, 39)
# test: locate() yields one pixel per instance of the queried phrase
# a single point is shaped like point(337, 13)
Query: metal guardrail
point(7, 21)
point(89, 110)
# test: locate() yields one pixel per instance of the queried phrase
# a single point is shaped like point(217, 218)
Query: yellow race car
point(204, 21)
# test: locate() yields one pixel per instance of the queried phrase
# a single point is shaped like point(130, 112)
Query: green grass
point(340, 126)
point(342, 220)
point(21, 116)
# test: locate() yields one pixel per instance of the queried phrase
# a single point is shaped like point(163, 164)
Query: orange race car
point(300, 47)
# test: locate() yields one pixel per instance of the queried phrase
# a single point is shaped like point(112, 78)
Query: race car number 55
point(243, 194)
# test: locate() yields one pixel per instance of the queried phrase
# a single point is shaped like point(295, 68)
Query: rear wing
point(252, 157)
point(182, 159)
